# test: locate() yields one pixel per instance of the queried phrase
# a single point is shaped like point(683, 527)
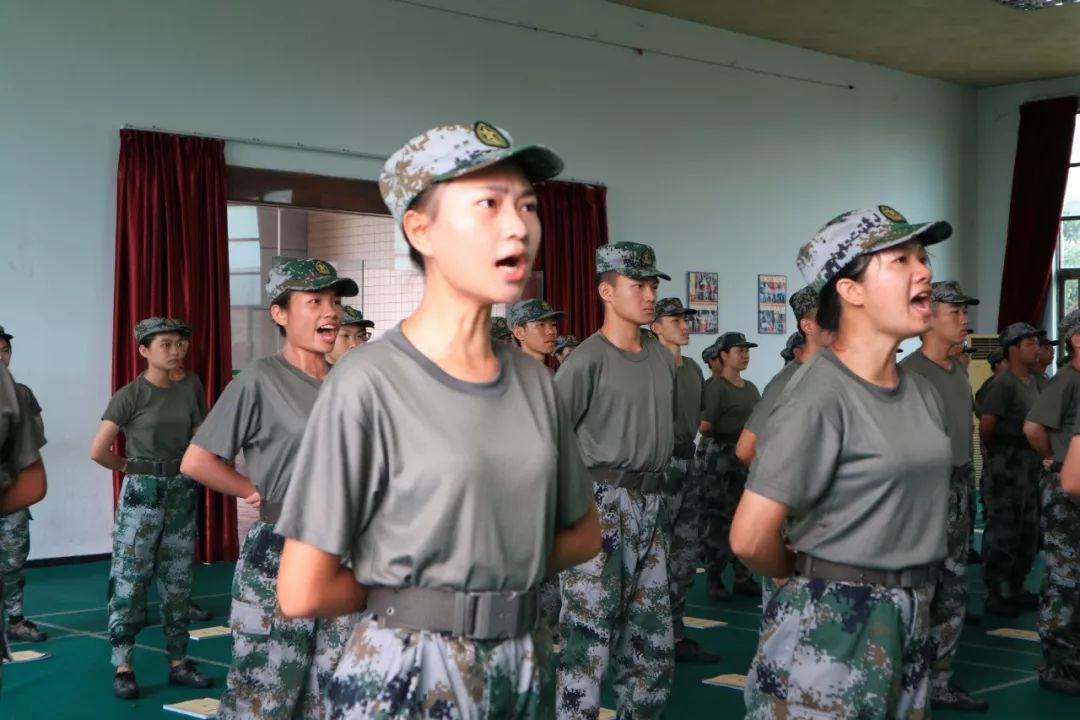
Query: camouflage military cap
point(668, 307)
point(307, 275)
point(1045, 341)
point(1070, 325)
point(531, 310)
point(500, 330)
point(5, 334)
point(1015, 333)
point(352, 316)
point(710, 353)
point(803, 301)
point(995, 357)
point(861, 232)
point(152, 326)
point(565, 341)
point(647, 334)
point(733, 339)
point(794, 342)
point(634, 260)
point(949, 292)
point(450, 151)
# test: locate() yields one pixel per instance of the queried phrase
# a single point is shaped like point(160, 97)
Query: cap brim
point(346, 287)
point(361, 323)
point(928, 234)
point(551, 315)
point(677, 313)
point(182, 330)
point(644, 274)
point(5, 336)
point(536, 161)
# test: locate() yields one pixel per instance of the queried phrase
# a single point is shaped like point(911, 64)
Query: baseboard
point(73, 560)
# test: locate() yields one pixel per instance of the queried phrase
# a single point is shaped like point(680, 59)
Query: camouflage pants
point(682, 528)
point(949, 606)
point(389, 674)
point(280, 667)
point(616, 609)
point(14, 549)
point(1011, 495)
point(830, 649)
point(153, 534)
point(550, 604)
point(1059, 621)
point(722, 491)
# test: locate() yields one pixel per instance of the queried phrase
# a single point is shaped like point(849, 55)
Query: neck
point(178, 374)
point(1075, 362)
point(620, 332)
point(453, 331)
point(306, 361)
point(1020, 370)
point(157, 376)
point(533, 353)
point(732, 375)
point(869, 354)
point(676, 350)
point(936, 349)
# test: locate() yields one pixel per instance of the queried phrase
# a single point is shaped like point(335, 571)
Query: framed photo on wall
point(772, 304)
point(702, 294)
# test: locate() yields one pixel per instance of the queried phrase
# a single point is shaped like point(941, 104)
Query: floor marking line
point(1001, 649)
point(96, 609)
point(992, 667)
point(1002, 686)
point(151, 648)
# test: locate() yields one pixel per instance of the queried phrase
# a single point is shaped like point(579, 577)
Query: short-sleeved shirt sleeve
point(121, 407)
point(234, 421)
point(20, 440)
point(575, 487)
point(796, 459)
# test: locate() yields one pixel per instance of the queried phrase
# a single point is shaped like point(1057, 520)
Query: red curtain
point(1040, 171)
point(573, 217)
point(172, 260)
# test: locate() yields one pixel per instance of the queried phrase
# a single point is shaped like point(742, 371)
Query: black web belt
point(158, 468)
point(913, 577)
point(474, 615)
point(646, 482)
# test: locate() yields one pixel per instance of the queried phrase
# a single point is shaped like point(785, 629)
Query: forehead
point(308, 294)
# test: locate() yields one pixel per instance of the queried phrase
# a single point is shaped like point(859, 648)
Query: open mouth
point(512, 267)
point(921, 302)
point(328, 332)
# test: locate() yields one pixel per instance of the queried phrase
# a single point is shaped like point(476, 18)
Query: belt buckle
point(496, 615)
point(465, 607)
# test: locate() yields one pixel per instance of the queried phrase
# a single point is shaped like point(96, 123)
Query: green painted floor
point(69, 603)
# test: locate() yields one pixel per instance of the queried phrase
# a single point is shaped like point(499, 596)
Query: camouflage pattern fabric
point(1059, 620)
point(1010, 491)
point(671, 306)
point(803, 301)
point(352, 316)
point(450, 151)
point(157, 325)
point(280, 667)
point(389, 673)
point(550, 604)
point(14, 549)
point(830, 650)
point(617, 611)
point(682, 528)
point(1015, 333)
point(500, 330)
point(949, 606)
point(634, 260)
point(705, 459)
point(153, 534)
point(531, 310)
point(861, 232)
point(306, 275)
point(722, 491)
point(950, 293)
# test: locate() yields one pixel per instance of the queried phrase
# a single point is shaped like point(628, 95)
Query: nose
point(650, 293)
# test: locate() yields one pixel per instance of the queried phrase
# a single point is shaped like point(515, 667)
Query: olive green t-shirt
point(263, 411)
point(955, 390)
point(33, 407)
point(622, 404)
point(157, 422)
point(193, 384)
point(19, 438)
point(980, 394)
point(1010, 400)
point(864, 469)
point(760, 416)
point(1056, 409)
point(416, 478)
point(689, 400)
point(728, 407)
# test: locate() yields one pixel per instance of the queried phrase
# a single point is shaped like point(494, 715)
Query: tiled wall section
point(362, 247)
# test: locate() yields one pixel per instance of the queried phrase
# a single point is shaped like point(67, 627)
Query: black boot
point(187, 675)
point(124, 685)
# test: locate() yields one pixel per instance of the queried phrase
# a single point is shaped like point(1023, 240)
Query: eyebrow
point(504, 189)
